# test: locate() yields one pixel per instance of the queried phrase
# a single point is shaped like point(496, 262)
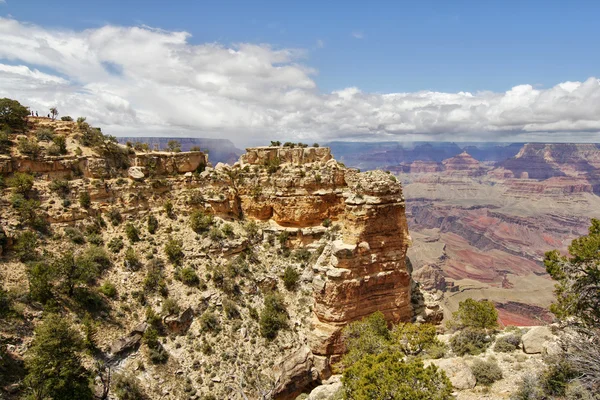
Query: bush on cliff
point(201, 222)
point(388, 376)
point(469, 341)
point(273, 317)
point(486, 372)
point(474, 314)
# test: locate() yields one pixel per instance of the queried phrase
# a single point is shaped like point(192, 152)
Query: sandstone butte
point(363, 271)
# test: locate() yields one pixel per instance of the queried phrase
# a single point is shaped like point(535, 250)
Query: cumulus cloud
point(145, 81)
point(358, 35)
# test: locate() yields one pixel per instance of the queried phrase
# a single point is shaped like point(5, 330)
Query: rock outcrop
point(535, 339)
point(294, 374)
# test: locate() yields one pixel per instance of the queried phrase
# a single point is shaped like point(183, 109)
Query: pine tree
point(53, 364)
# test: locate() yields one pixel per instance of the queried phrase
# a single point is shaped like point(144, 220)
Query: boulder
point(294, 373)
point(126, 344)
point(457, 371)
point(534, 341)
point(328, 390)
point(178, 325)
point(136, 173)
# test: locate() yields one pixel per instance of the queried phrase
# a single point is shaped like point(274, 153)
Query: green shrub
point(132, 261)
point(74, 235)
point(60, 187)
point(98, 256)
point(227, 230)
point(215, 234)
point(133, 234)
point(154, 280)
point(230, 309)
point(387, 376)
point(290, 278)
point(200, 222)
point(116, 244)
point(5, 142)
point(29, 147)
point(508, 343)
point(302, 255)
point(475, 314)
point(40, 276)
point(66, 118)
point(486, 372)
point(115, 217)
point(168, 206)
point(272, 165)
point(273, 317)
point(109, 290)
point(27, 210)
point(188, 276)
point(95, 239)
point(209, 322)
point(469, 341)
point(26, 247)
point(127, 387)
point(174, 251)
point(84, 200)
point(528, 388)
point(21, 183)
point(152, 224)
point(170, 307)
point(413, 339)
point(326, 222)
point(557, 376)
point(44, 134)
point(59, 146)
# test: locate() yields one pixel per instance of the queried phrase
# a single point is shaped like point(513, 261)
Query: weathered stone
point(535, 339)
point(178, 325)
point(126, 344)
point(457, 371)
point(294, 373)
point(328, 390)
point(136, 173)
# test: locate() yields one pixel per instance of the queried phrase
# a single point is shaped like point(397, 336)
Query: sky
point(254, 71)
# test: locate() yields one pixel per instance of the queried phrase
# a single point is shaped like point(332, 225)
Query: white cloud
point(144, 81)
point(320, 43)
point(358, 35)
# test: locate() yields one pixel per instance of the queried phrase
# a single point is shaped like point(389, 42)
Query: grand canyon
point(482, 215)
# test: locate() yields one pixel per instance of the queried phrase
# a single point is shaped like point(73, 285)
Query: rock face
point(294, 374)
point(362, 272)
point(296, 155)
point(366, 271)
point(543, 161)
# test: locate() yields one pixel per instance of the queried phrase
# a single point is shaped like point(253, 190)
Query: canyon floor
point(489, 236)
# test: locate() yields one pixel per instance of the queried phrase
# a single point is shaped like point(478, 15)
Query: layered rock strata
point(362, 272)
